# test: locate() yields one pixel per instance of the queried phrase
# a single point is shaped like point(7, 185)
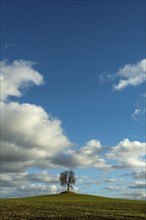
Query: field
point(70, 206)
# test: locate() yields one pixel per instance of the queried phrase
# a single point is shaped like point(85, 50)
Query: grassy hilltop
point(71, 206)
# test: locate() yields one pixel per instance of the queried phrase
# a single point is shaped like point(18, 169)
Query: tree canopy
point(67, 179)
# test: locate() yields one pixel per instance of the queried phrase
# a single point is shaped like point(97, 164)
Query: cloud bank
point(38, 183)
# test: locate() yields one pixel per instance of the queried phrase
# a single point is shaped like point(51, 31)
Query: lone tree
point(67, 178)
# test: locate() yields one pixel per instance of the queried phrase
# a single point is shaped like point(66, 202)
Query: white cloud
point(140, 108)
point(128, 154)
point(131, 75)
point(9, 46)
point(144, 95)
point(85, 181)
point(87, 156)
point(139, 174)
point(128, 75)
point(29, 190)
point(138, 185)
point(16, 76)
point(136, 195)
point(137, 113)
point(112, 180)
point(32, 138)
point(112, 188)
point(30, 135)
point(13, 179)
point(29, 184)
point(106, 77)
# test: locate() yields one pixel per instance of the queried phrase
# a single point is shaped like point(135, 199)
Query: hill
point(71, 206)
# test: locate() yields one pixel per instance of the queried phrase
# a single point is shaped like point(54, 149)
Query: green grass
point(71, 206)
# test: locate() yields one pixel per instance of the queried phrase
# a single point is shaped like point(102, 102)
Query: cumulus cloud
point(30, 135)
point(131, 75)
point(17, 75)
point(87, 156)
point(128, 154)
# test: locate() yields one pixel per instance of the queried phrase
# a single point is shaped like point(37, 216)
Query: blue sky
point(73, 84)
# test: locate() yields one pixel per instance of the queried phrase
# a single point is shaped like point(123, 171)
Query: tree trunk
point(67, 187)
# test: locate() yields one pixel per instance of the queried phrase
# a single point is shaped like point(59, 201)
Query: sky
point(73, 97)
